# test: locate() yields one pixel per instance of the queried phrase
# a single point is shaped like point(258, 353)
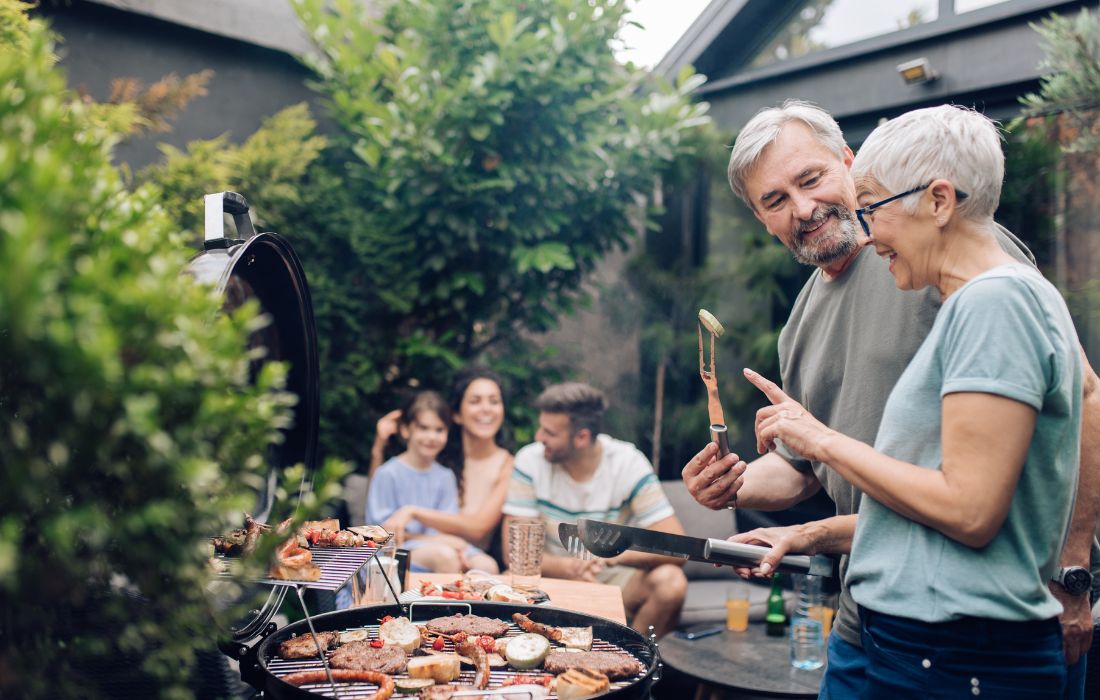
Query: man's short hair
point(949, 142)
point(763, 129)
point(583, 404)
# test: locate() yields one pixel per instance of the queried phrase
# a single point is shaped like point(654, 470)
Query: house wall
point(250, 82)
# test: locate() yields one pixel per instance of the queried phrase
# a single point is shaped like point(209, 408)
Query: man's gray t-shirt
point(845, 344)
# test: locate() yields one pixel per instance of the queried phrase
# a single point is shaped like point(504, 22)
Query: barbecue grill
point(262, 668)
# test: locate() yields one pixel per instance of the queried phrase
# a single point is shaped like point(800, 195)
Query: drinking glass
point(737, 607)
point(376, 589)
point(526, 539)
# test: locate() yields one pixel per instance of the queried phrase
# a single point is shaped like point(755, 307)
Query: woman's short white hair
point(949, 142)
point(764, 128)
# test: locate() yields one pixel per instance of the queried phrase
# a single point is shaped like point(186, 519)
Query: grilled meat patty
point(361, 656)
point(470, 624)
point(610, 663)
point(302, 646)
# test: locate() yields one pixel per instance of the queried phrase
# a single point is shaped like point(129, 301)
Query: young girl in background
point(414, 479)
point(483, 467)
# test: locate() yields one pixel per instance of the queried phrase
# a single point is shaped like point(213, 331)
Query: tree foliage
point(489, 155)
point(1072, 47)
point(131, 430)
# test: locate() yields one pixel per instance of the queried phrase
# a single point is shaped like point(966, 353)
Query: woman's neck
point(478, 448)
point(969, 250)
point(416, 461)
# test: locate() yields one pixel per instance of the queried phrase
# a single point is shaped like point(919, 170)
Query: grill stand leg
point(317, 642)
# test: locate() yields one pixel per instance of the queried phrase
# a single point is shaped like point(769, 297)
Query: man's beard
point(840, 244)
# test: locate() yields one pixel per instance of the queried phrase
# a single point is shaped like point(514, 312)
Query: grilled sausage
point(384, 682)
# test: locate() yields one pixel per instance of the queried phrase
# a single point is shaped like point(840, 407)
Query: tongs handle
point(720, 434)
point(740, 554)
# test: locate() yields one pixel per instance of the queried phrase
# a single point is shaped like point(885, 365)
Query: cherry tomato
point(377, 643)
point(386, 619)
point(437, 644)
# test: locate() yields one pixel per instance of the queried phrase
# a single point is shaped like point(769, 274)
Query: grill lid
point(264, 267)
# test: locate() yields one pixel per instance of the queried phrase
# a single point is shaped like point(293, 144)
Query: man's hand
point(587, 570)
point(1076, 619)
point(713, 482)
point(782, 540)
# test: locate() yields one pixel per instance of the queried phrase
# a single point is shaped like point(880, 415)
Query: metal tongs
point(709, 376)
point(590, 538)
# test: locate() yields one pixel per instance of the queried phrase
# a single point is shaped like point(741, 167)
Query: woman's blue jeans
point(966, 658)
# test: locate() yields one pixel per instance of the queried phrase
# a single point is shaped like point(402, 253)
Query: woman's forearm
point(469, 526)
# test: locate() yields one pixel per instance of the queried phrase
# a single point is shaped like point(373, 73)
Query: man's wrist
point(1074, 580)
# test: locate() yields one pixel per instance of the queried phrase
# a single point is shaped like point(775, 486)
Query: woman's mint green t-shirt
point(1005, 332)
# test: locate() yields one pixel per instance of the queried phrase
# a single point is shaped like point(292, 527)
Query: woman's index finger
point(770, 388)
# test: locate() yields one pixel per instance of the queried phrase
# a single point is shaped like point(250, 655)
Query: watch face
point(1077, 580)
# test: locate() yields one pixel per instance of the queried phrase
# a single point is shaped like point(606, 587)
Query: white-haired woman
point(970, 484)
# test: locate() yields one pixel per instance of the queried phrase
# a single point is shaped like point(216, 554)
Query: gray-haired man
point(850, 335)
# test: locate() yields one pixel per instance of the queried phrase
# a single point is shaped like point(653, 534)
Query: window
point(823, 24)
point(962, 6)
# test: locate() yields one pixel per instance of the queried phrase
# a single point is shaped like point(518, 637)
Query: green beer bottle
point(777, 614)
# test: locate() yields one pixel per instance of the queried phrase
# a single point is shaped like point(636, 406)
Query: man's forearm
point(1086, 508)
point(771, 483)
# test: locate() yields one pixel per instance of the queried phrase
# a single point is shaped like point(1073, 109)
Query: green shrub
point(130, 431)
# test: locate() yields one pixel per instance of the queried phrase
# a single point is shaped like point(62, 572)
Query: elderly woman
point(970, 484)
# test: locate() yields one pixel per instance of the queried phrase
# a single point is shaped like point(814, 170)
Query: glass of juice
point(737, 607)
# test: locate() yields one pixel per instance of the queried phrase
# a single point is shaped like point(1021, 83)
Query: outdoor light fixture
point(917, 71)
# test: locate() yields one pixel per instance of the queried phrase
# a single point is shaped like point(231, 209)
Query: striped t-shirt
point(623, 490)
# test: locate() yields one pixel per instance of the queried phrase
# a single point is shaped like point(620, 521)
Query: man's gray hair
point(949, 142)
point(584, 404)
point(764, 128)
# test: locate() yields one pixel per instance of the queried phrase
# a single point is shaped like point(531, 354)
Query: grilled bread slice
point(579, 683)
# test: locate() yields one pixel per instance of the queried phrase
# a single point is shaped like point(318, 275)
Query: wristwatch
point(1075, 579)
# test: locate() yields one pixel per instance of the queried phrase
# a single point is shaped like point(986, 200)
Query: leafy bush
point(489, 155)
point(130, 430)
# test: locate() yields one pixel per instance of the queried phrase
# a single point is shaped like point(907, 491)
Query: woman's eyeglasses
point(863, 213)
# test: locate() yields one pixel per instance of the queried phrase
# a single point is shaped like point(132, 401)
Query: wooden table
point(597, 599)
point(740, 665)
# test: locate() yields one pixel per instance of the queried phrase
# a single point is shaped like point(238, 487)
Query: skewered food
point(528, 625)
point(609, 663)
point(470, 624)
point(578, 683)
point(363, 656)
point(294, 563)
point(303, 646)
point(526, 651)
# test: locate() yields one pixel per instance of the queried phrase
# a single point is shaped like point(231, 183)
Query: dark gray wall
point(986, 58)
point(249, 82)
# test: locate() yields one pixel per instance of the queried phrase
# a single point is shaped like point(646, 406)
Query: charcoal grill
point(262, 668)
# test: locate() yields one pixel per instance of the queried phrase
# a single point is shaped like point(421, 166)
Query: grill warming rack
point(281, 667)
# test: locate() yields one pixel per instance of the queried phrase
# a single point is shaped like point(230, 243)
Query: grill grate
point(338, 565)
point(281, 667)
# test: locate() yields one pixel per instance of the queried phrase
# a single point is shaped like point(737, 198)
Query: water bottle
point(807, 637)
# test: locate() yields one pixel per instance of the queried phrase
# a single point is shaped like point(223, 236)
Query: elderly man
point(850, 335)
point(575, 471)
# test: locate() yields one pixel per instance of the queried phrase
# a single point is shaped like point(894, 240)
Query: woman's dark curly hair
point(453, 455)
